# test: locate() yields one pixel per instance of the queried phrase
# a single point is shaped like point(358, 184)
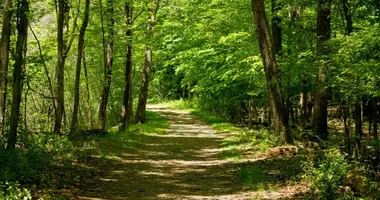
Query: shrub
point(33, 160)
point(13, 191)
point(327, 173)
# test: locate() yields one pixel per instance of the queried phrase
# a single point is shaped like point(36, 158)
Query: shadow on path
point(183, 163)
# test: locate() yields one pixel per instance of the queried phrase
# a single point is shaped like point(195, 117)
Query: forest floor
point(184, 162)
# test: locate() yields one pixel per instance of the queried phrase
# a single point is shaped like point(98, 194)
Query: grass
point(113, 143)
point(244, 145)
point(239, 141)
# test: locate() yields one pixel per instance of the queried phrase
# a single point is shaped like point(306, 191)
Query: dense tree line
point(290, 66)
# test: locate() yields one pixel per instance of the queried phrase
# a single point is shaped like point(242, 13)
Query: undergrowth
point(50, 161)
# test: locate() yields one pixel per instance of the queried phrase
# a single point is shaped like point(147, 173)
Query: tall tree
point(280, 122)
point(74, 123)
point(141, 106)
point(4, 58)
point(61, 15)
point(108, 46)
point(126, 110)
point(320, 99)
point(276, 28)
point(18, 69)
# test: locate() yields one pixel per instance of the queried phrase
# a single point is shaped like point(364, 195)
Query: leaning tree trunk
point(18, 70)
point(143, 97)
point(74, 122)
point(4, 58)
point(126, 109)
point(280, 122)
point(320, 99)
point(102, 117)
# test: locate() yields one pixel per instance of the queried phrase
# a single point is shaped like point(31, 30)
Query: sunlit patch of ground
point(183, 163)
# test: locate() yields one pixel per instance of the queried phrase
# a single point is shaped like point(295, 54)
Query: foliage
point(33, 163)
point(327, 173)
point(12, 191)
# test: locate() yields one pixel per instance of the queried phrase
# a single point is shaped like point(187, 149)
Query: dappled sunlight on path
point(184, 163)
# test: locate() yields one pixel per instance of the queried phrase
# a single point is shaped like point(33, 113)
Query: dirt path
point(184, 163)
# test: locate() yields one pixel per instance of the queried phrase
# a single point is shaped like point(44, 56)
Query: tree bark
point(74, 122)
point(4, 58)
point(348, 17)
point(320, 99)
point(358, 128)
point(345, 115)
point(102, 117)
point(280, 122)
point(126, 110)
point(60, 87)
point(18, 70)
point(89, 104)
point(276, 28)
point(143, 97)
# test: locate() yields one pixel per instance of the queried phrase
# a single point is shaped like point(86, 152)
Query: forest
point(189, 99)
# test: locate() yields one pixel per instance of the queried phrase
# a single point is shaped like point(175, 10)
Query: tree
point(143, 97)
point(18, 69)
point(280, 122)
point(320, 99)
point(4, 58)
point(126, 109)
point(60, 87)
point(108, 63)
point(276, 28)
point(74, 123)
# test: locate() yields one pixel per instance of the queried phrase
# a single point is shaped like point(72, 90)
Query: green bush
point(13, 191)
point(32, 162)
point(326, 173)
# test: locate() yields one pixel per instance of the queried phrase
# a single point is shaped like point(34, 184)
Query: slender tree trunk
point(4, 58)
point(18, 70)
point(60, 67)
point(143, 97)
point(276, 28)
point(347, 16)
point(358, 128)
point(89, 104)
point(80, 56)
point(126, 109)
point(320, 99)
point(74, 122)
point(280, 122)
point(345, 115)
point(102, 117)
point(46, 70)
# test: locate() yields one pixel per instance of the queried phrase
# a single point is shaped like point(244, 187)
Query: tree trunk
point(74, 122)
point(276, 29)
point(320, 99)
point(126, 109)
point(4, 58)
point(280, 122)
point(60, 67)
point(18, 70)
point(89, 104)
point(345, 115)
point(347, 16)
point(358, 128)
point(143, 97)
point(102, 118)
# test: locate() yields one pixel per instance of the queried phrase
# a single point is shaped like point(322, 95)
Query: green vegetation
point(294, 83)
point(47, 160)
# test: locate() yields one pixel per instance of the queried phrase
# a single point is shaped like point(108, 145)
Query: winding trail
point(184, 163)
